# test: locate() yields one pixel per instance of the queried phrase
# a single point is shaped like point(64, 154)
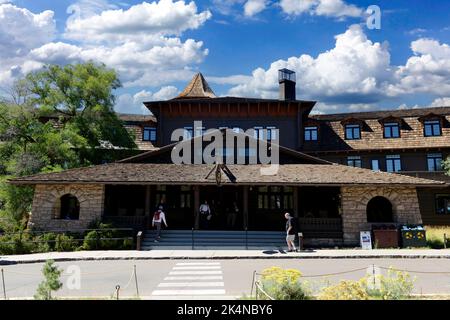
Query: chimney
point(286, 79)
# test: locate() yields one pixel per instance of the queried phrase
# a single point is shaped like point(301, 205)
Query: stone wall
point(46, 204)
point(405, 206)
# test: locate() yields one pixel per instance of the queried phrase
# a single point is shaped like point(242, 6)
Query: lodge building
point(338, 174)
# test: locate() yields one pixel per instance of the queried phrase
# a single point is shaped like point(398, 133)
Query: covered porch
point(259, 207)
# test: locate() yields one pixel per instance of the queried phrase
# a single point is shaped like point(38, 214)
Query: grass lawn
point(435, 236)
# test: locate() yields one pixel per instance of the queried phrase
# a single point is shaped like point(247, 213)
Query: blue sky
point(238, 45)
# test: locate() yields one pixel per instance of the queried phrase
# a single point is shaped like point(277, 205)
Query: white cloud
point(356, 70)
point(440, 102)
point(328, 8)
point(428, 71)
point(157, 18)
point(253, 7)
point(127, 103)
point(233, 80)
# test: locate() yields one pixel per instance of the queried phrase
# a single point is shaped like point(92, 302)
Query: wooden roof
point(197, 88)
point(289, 174)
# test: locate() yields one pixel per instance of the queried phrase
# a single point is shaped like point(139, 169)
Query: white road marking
point(173, 273)
point(190, 284)
point(197, 268)
point(188, 292)
point(198, 264)
point(193, 278)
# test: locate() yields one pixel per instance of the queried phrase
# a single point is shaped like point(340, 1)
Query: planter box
point(413, 238)
point(386, 238)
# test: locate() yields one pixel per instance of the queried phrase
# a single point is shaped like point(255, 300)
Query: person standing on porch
point(158, 218)
point(232, 215)
point(291, 229)
point(205, 215)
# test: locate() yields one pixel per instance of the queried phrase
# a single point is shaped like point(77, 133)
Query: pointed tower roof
point(197, 88)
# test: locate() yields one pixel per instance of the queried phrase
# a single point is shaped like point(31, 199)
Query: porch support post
point(295, 199)
point(245, 204)
point(147, 200)
point(196, 206)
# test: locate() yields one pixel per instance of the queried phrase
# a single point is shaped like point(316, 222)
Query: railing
point(136, 222)
point(321, 227)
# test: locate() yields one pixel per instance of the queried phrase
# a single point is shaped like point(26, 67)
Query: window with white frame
point(354, 161)
point(393, 163)
point(311, 133)
point(434, 161)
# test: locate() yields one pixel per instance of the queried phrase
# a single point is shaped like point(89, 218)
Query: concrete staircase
point(239, 240)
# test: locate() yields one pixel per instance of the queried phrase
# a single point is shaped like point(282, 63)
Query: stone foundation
point(405, 207)
point(46, 205)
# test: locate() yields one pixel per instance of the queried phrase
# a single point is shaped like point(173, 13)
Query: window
point(149, 134)
point(272, 133)
point(434, 161)
point(311, 133)
point(391, 130)
point(354, 161)
point(188, 133)
point(352, 132)
point(275, 198)
point(432, 128)
point(375, 165)
point(258, 133)
point(393, 163)
point(443, 204)
point(69, 208)
point(200, 131)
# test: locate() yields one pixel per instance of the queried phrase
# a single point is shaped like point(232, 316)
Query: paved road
point(207, 279)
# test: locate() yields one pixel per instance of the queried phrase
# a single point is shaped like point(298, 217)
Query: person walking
point(232, 215)
point(205, 215)
point(291, 230)
point(158, 218)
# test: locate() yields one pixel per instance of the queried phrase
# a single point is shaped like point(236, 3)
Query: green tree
point(82, 95)
point(447, 166)
point(51, 282)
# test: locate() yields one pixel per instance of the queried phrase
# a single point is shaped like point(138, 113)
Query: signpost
point(366, 240)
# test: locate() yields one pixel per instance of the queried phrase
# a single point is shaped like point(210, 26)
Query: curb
point(67, 259)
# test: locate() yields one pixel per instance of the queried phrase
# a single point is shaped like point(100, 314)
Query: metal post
point(246, 238)
point(300, 241)
point(373, 274)
point(192, 239)
point(136, 281)
point(445, 241)
point(117, 292)
point(3, 282)
point(138, 241)
point(253, 283)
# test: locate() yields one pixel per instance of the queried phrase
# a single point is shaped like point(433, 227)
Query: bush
point(435, 236)
point(283, 284)
point(48, 243)
point(396, 285)
point(65, 243)
point(51, 282)
point(345, 290)
point(16, 243)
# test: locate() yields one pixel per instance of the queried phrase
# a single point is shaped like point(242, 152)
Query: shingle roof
point(293, 174)
point(197, 88)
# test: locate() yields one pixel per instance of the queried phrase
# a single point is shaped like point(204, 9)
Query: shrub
point(16, 243)
point(396, 285)
point(51, 282)
point(345, 290)
point(48, 244)
point(65, 243)
point(283, 284)
point(435, 236)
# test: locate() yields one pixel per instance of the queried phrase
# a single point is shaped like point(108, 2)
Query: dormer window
point(149, 134)
point(311, 133)
point(432, 128)
point(352, 131)
point(391, 130)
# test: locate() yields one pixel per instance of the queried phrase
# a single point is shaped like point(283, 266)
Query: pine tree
point(51, 282)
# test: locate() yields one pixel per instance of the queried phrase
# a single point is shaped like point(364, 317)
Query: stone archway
point(379, 210)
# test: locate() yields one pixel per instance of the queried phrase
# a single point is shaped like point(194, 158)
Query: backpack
point(156, 215)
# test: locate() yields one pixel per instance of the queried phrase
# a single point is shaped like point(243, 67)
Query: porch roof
point(288, 174)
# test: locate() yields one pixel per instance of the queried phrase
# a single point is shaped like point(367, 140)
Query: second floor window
point(393, 163)
point(352, 132)
point(443, 204)
point(375, 165)
point(149, 134)
point(258, 133)
point(434, 161)
point(432, 128)
point(311, 133)
point(354, 161)
point(271, 133)
point(391, 130)
point(188, 133)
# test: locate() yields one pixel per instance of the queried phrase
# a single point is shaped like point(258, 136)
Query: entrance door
point(221, 202)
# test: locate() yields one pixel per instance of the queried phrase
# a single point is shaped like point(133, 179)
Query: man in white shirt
point(205, 215)
point(158, 218)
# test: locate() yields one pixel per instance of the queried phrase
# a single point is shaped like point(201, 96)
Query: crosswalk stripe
point(197, 268)
point(193, 278)
point(198, 264)
point(190, 284)
point(173, 273)
point(188, 292)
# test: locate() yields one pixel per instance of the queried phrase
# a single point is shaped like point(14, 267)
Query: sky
point(345, 58)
